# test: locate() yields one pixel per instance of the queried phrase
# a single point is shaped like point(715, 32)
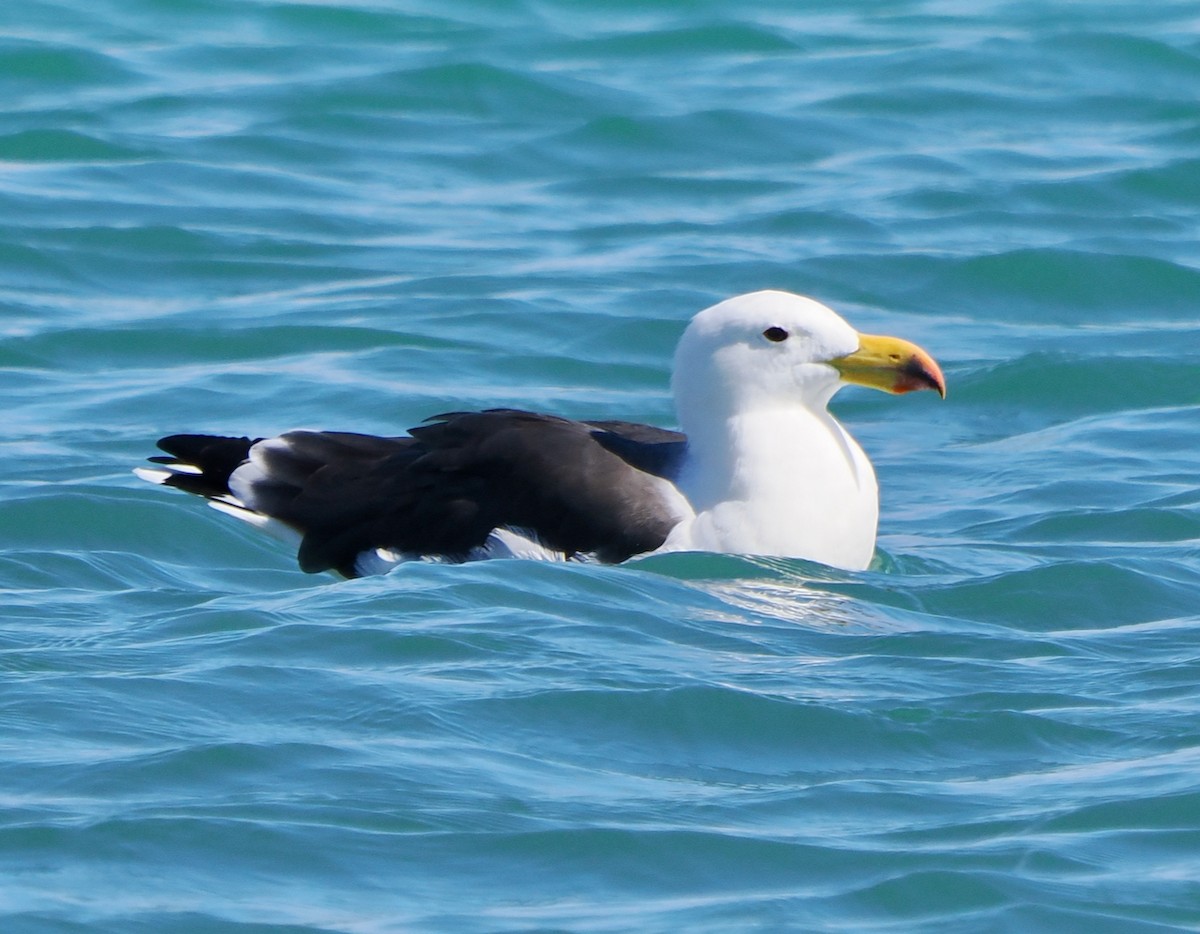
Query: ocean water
point(250, 216)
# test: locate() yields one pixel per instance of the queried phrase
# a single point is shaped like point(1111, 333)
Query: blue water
point(257, 215)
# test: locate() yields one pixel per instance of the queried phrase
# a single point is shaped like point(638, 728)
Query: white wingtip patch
point(166, 472)
point(151, 475)
point(254, 470)
point(280, 530)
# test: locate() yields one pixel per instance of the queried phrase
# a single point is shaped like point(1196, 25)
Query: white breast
point(789, 484)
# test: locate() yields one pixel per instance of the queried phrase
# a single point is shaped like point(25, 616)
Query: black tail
point(214, 456)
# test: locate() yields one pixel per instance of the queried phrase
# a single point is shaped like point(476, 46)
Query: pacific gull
point(759, 468)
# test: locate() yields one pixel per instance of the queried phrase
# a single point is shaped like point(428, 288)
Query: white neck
point(785, 481)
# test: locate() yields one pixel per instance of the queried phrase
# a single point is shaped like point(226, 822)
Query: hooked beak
point(890, 364)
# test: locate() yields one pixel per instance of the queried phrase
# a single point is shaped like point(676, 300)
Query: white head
point(770, 349)
point(759, 351)
point(769, 471)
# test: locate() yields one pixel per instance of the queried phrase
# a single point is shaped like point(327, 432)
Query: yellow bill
point(890, 364)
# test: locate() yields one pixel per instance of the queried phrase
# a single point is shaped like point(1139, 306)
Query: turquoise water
point(251, 216)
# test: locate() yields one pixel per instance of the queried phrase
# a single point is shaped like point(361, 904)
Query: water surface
point(253, 216)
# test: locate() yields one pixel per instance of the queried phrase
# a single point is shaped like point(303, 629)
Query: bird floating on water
point(760, 467)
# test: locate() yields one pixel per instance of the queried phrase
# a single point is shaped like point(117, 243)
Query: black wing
point(578, 488)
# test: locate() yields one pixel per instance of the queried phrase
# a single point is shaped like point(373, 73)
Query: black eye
point(775, 334)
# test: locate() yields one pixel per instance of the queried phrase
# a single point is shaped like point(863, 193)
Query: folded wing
point(597, 489)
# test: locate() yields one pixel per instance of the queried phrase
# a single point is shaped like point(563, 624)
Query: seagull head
point(770, 350)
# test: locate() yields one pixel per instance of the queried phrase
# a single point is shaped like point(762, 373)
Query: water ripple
point(245, 218)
